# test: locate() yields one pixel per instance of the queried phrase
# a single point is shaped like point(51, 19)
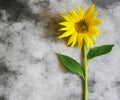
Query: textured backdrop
point(29, 67)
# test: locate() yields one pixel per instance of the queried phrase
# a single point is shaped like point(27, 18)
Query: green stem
point(85, 73)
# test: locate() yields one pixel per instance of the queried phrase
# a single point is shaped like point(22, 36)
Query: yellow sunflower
point(81, 27)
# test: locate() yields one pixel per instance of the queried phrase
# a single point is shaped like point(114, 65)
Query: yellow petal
point(80, 40)
point(66, 34)
point(66, 17)
point(80, 13)
point(73, 17)
point(96, 22)
point(88, 41)
point(92, 16)
point(67, 24)
point(90, 10)
point(73, 39)
point(66, 28)
point(94, 30)
point(91, 35)
point(74, 13)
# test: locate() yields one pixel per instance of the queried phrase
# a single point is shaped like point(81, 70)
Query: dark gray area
point(2, 98)
point(16, 10)
point(91, 84)
point(117, 85)
point(44, 4)
point(74, 96)
point(5, 74)
point(104, 3)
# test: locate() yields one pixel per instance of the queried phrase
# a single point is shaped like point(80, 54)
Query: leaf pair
point(75, 67)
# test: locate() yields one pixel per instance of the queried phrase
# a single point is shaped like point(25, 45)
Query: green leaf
point(71, 64)
point(98, 51)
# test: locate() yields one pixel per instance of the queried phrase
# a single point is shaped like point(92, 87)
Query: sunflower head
point(80, 27)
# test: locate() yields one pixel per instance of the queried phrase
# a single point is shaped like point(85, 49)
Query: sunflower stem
point(85, 72)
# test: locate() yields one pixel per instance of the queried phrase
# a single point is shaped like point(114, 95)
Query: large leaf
point(98, 51)
point(71, 64)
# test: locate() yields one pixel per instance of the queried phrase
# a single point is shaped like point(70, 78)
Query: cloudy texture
point(29, 66)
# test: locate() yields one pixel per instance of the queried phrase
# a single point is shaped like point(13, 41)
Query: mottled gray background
point(29, 67)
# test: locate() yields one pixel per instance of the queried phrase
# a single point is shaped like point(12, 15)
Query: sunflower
point(80, 27)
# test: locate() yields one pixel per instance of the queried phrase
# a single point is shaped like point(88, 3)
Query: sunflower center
point(81, 26)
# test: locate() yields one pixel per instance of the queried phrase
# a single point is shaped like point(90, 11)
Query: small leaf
point(98, 51)
point(71, 64)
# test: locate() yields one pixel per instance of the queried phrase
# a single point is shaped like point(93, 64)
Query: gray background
point(29, 67)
